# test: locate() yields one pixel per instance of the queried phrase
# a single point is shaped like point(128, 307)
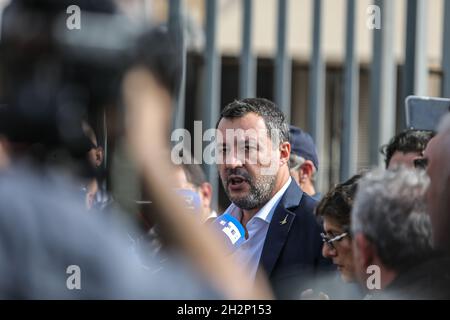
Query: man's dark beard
point(260, 189)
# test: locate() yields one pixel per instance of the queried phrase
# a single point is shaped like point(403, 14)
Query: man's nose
point(328, 252)
point(234, 161)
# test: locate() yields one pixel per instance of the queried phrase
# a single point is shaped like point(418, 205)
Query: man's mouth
point(236, 182)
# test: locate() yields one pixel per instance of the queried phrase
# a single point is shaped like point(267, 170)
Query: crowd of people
point(382, 234)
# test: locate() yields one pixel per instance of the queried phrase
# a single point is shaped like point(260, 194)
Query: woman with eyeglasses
point(334, 210)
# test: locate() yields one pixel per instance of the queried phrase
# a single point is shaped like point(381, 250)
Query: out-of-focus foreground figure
point(45, 231)
point(393, 237)
point(437, 154)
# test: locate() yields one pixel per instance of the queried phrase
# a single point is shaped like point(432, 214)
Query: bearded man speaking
point(282, 236)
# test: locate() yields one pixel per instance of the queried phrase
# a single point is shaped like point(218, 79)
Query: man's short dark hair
point(410, 140)
point(274, 118)
point(194, 172)
point(338, 202)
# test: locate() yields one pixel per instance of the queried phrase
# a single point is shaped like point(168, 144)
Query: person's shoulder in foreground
point(48, 235)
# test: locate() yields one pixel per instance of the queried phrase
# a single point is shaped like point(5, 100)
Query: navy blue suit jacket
point(292, 252)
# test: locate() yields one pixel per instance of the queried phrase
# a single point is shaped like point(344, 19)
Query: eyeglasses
point(329, 241)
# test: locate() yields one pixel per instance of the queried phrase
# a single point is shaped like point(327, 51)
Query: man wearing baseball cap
point(303, 162)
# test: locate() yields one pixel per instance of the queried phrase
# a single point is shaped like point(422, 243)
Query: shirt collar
point(212, 215)
point(266, 212)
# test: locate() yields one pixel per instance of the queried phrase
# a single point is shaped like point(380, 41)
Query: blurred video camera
point(52, 74)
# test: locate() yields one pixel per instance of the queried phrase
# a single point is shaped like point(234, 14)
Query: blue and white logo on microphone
point(231, 229)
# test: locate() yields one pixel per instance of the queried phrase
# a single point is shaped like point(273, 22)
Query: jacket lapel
point(279, 227)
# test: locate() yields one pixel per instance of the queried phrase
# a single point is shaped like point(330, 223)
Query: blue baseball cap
point(303, 145)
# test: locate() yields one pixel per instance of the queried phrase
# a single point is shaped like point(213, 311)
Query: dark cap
point(303, 145)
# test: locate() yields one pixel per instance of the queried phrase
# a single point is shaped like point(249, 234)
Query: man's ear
point(364, 254)
point(307, 168)
point(206, 194)
point(285, 152)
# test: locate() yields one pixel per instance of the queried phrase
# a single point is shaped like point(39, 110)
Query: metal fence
point(383, 74)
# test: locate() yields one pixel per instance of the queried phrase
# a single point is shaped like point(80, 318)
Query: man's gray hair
point(390, 210)
point(296, 161)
